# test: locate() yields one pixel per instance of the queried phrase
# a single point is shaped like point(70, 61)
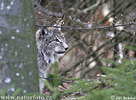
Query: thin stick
point(94, 28)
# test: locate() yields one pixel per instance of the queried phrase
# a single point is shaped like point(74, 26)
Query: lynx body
point(51, 45)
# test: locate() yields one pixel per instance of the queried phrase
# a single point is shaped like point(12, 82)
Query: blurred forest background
point(100, 34)
point(97, 40)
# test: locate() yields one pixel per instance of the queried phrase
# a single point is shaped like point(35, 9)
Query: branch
point(91, 7)
point(80, 61)
point(87, 25)
point(47, 11)
point(94, 28)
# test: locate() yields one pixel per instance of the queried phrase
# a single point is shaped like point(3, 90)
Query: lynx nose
point(66, 48)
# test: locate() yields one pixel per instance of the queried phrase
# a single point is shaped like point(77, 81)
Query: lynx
point(51, 45)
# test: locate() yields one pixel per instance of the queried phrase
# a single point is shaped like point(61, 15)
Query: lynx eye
point(57, 40)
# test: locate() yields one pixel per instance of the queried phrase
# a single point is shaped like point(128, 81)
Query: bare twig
point(91, 7)
point(101, 55)
point(80, 22)
point(58, 14)
point(80, 61)
point(94, 28)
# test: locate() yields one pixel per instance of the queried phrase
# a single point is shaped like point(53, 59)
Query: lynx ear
point(39, 34)
point(59, 24)
point(42, 32)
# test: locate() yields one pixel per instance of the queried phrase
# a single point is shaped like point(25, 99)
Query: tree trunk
point(18, 67)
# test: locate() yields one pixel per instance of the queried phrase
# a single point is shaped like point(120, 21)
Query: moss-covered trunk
point(18, 67)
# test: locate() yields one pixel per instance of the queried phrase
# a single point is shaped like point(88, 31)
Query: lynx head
point(51, 43)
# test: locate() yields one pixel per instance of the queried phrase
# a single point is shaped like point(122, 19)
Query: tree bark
point(18, 63)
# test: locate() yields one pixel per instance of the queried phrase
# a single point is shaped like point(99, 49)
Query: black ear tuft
point(43, 32)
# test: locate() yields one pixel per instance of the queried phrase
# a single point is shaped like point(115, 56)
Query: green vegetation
point(119, 82)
